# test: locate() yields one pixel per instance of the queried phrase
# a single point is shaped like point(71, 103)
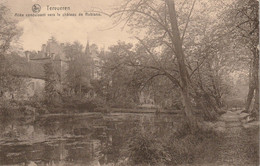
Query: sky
point(96, 29)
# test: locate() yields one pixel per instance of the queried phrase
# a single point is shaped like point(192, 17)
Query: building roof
point(31, 69)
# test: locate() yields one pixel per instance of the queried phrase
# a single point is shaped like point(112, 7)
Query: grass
point(252, 148)
point(149, 147)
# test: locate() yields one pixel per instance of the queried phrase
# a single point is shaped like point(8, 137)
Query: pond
point(80, 139)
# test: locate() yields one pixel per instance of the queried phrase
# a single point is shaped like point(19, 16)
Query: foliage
point(146, 150)
point(78, 74)
point(181, 146)
point(252, 150)
point(9, 83)
point(76, 104)
point(117, 81)
point(15, 109)
point(187, 147)
point(176, 47)
point(51, 88)
point(209, 44)
point(243, 17)
point(9, 32)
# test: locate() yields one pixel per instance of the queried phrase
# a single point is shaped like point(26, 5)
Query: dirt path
point(240, 145)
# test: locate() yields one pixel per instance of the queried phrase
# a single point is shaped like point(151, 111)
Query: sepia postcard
point(129, 82)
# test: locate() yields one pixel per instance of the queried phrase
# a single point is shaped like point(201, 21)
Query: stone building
point(32, 69)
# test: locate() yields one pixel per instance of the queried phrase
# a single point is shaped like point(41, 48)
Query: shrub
point(8, 109)
point(252, 141)
point(144, 148)
point(189, 147)
point(147, 147)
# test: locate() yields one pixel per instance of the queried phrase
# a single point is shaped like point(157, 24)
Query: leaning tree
point(163, 26)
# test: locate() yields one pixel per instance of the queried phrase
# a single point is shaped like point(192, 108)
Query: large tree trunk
point(253, 93)
point(251, 90)
point(204, 107)
point(181, 64)
point(208, 106)
point(255, 110)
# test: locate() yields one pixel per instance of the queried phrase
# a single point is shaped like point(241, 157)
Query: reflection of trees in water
point(78, 139)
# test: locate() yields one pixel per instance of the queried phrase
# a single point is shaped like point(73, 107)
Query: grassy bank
point(149, 146)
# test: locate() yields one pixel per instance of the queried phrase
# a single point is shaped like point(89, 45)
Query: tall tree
point(243, 17)
point(78, 73)
point(185, 43)
point(181, 62)
point(9, 32)
point(159, 21)
point(52, 89)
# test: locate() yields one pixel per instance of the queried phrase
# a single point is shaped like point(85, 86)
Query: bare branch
point(151, 78)
point(152, 55)
point(140, 12)
point(188, 20)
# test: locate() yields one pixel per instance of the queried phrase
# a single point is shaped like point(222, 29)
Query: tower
point(87, 49)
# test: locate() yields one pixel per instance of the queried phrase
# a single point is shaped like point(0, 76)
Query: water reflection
point(88, 139)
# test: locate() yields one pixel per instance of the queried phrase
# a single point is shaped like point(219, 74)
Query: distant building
point(33, 68)
point(52, 52)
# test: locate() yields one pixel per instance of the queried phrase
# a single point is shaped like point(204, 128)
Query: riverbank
point(239, 145)
point(19, 109)
point(126, 132)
